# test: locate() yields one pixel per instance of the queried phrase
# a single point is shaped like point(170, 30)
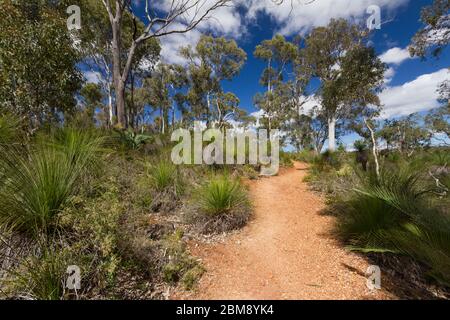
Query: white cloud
point(415, 96)
point(92, 76)
point(224, 21)
point(395, 56)
point(231, 21)
point(389, 75)
point(299, 16)
point(171, 45)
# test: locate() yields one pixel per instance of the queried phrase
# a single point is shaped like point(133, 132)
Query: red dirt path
point(285, 252)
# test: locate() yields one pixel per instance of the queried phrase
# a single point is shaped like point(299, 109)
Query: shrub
point(9, 130)
point(221, 195)
point(306, 155)
point(38, 184)
point(41, 277)
point(163, 176)
point(132, 140)
point(397, 214)
point(221, 204)
point(167, 184)
point(286, 159)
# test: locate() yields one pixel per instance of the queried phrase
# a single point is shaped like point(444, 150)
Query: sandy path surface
point(285, 252)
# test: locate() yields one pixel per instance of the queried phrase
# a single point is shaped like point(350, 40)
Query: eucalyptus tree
point(212, 61)
point(279, 54)
point(95, 40)
point(432, 39)
point(435, 35)
point(406, 133)
point(38, 74)
point(159, 85)
point(92, 100)
point(349, 72)
point(162, 19)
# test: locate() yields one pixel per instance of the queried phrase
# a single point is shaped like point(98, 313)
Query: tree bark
point(374, 148)
point(119, 85)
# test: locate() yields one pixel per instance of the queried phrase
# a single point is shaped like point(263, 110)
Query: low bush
point(39, 183)
point(397, 213)
point(167, 185)
point(308, 156)
point(131, 140)
point(221, 204)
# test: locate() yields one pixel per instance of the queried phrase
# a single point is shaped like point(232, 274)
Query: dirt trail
point(286, 251)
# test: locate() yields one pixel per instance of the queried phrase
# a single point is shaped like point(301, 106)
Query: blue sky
point(411, 83)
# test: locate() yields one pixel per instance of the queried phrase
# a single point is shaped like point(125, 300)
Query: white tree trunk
point(374, 148)
point(332, 134)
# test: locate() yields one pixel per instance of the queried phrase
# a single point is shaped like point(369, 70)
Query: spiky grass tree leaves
point(38, 183)
point(220, 205)
point(396, 213)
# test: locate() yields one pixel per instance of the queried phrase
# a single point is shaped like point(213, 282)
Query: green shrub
point(132, 140)
point(360, 145)
point(221, 195)
point(286, 159)
point(38, 184)
point(9, 130)
point(220, 205)
point(163, 176)
point(397, 213)
point(166, 186)
point(180, 266)
point(307, 156)
point(39, 277)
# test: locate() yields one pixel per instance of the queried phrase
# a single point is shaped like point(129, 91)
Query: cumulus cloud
point(171, 45)
point(224, 21)
point(395, 56)
point(232, 21)
point(414, 96)
point(299, 16)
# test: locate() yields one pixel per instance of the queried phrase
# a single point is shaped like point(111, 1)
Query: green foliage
point(9, 130)
point(286, 159)
point(164, 175)
point(219, 205)
point(305, 155)
point(360, 145)
point(39, 183)
point(41, 278)
point(38, 77)
point(435, 17)
point(180, 267)
point(132, 140)
point(396, 213)
point(221, 195)
point(328, 160)
point(219, 59)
